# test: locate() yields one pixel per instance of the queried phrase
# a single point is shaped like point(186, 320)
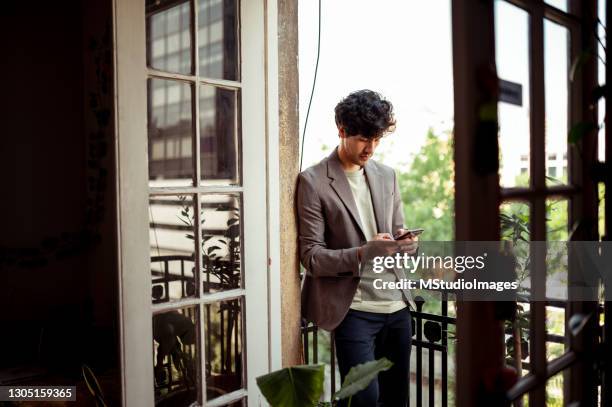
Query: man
point(343, 202)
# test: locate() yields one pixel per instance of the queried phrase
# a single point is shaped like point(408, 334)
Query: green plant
point(220, 254)
point(515, 228)
point(427, 188)
point(302, 386)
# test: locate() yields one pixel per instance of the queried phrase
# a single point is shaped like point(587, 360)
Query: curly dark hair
point(366, 113)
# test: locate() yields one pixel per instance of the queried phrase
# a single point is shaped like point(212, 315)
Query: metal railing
point(576, 325)
point(177, 374)
point(429, 332)
point(161, 279)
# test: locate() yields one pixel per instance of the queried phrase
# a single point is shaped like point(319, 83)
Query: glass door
point(192, 96)
point(207, 209)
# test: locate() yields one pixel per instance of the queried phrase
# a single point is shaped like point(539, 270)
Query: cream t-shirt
point(363, 198)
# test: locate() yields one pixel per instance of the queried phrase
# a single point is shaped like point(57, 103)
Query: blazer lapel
point(376, 184)
point(340, 184)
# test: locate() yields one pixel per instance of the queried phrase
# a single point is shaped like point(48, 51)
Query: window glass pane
point(219, 140)
point(515, 227)
point(557, 233)
point(224, 348)
point(175, 357)
point(554, 390)
point(517, 339)
point(168, 38)
point(557, 271)
point(514, 218)
point(557, 227)
point(171, 232)
point(555, 331)
point(556, 76)
point(512, 60)
point(170, 132)
point(221, 237)
point(560, 4)
point(218, 39)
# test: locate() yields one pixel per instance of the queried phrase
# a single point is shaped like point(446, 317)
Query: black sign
point(510, 92)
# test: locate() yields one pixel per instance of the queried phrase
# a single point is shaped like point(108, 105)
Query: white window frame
point(260, 198)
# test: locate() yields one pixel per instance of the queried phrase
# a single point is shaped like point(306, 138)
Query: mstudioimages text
point(422, 261)
point(439, 284)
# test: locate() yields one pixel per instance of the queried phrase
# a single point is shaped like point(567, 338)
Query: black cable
point(314, 82)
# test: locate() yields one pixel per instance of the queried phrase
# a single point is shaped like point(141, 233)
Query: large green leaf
point(360, 376)
point(296, 386)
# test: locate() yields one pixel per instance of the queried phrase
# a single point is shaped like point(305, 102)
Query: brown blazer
point(330, 233)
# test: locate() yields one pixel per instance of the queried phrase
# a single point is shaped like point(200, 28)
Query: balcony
point(432, 375)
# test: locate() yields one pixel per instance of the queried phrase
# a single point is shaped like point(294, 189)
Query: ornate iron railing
point(431, 332)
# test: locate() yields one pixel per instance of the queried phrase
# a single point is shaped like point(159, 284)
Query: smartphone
point(413, 232)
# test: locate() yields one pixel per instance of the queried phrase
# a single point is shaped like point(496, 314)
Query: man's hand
point(377, 237)
point(408, 244)
point(383, 236)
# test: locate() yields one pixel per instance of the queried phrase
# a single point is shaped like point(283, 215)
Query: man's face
point(358, 149)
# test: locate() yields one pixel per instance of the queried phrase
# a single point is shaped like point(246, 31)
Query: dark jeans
point(364, 336)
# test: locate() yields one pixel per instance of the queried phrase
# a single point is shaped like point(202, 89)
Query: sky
point(403, 50)
point(366, 47)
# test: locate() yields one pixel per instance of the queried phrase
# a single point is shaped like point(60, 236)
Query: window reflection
point(224, 348)
point(218, 39)
point(170, 132)
point(176, 360)
point(219, 135)
point(171, 232)
point(168, 37)
point(221, 252)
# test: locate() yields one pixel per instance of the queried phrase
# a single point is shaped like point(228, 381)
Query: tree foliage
point(428, 189)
